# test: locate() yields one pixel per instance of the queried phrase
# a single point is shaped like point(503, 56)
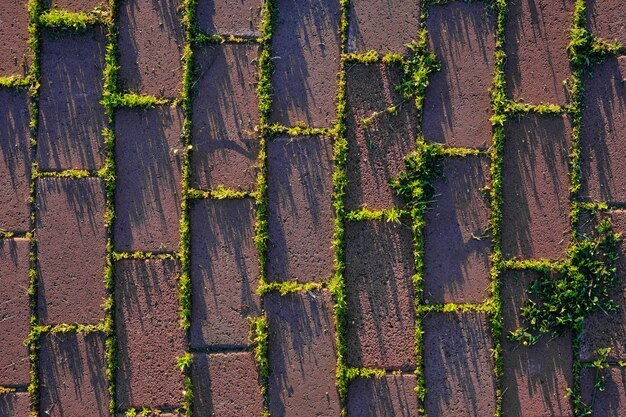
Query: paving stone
point(457, 240)
point(605, 19)
point(15, 157)
point(376, 148)
point(155, 413)
point(306, 46)
point(224, 17)
point(391, 395)
point(226, 385)
point(71, 117)
point(380, 322)
point(149, 336)
point(71, 249)
point(300, 209)
point(603, 133)
point(149, 157)
point(608, 403)
point(15, 405)
point(224, 272)
point(225, 118)
point(537, 34)
point(14, 48)
point(457, 105)
point(72, 372)
point(535, 212)
point(14, 312)
point(77, 6)
point(151, 41)
point(382, 25)
point(302, 357)
point(458, 365)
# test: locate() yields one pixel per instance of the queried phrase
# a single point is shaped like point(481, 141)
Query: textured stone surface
point(15, 405)
point(77, 5)
point(149, 154)
point(71, 250)
point(301, 225)
point(391, 395)
point(224, 272)
point(608, 403)
point(14, 49)
point(225, 17)
point(605, 19)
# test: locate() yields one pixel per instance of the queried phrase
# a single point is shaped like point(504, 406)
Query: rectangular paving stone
point(391, 395)
point(300, 209)
point(225, 117)
point(457, 104)
point(380, 318)
point(224, 272)
point(15, 404)
point(605, 19)
point(377, 140)
point(302, 357)
point(72, 372)
point(71, 250)
point(457, 241)
point(603, 132)
point(306, 48)
point(226, 385)
point(458, 365)
point(77, 6)
point(535, 211)
point(151, 42)
point(608, 403)
point(149, 336)
point(537, 63)
point(14, 312)
point(149, 156)
point(224, 17)
point(71, 117)
point(14, 48)
point(15, 157)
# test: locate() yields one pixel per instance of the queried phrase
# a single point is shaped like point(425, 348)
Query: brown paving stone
point(300, 209)
point(225, 17)
point(535, 212)
point(15, 160)
point(151, 40)
point(302, 357)
point(380, 328)
point(608, 403)
point(15, 404)
point(605, 19)
point(376, 150)
point(149, 153)
point(603, 133)
point(391, 395)
point(224, 272)
point(225, 118)
point(71, 249)
point(457, 242)
point(382, 25)
point(306, 44)
point(77, 5)
point(71, 117)
point(72, 372)
point(226, 385)
point(14, 48)
point(457, 105)
point(537, 37)
point(458, 365)
point(14, 311)
point(149, 336)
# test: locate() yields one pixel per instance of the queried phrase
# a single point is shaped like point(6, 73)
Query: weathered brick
point(223, 17)
point(380, 322)
point(77, 6)
point(71, 249)
point(300, 209)
point(610, 402)
point(226, 385)
point(149, 153)
point(457, 105)
point(71, 117)
point(605, 19)
point(16, 404)
point(225, 118)
point(537, 34)
point(306, 44)
point(457, 244)
point(391, 395)
point(14, 49)
point(378, 141)
point(73, 378)
point(302, 357)
point(149, 336)
point(535, 212)
point(15, 160)
point(224, 272)
point(458, 365)
point(151, 40)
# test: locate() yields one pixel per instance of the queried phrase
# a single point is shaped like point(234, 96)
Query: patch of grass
point(354, 373)
point(288, 287)
point(219, 193)
point(389, 215)
point(14, 81)
point(132, 100)
point(54, 18)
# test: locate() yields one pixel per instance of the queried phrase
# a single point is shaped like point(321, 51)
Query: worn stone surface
point(15, 404)
point(71, 250)
point(608, 403)
point(391, 395)
point(224, 17)
point(300, 209)
point(77, 6)
point(605, 19)
point(14, 48)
